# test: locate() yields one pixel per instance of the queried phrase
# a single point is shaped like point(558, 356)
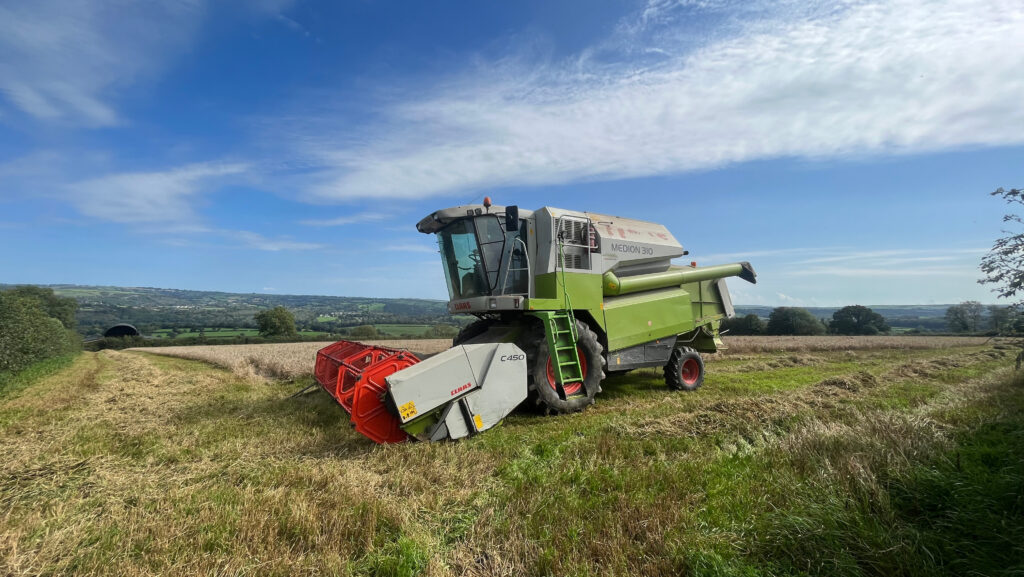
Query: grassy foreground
point(874, 462)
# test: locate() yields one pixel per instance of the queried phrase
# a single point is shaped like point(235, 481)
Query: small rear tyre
point(685, 370)
point(577, 396)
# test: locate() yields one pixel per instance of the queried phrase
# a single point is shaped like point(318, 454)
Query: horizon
point(738, 305)
point(846, 150)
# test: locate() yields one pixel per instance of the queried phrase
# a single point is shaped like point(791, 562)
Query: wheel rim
point(570, 388)
point(689, 371)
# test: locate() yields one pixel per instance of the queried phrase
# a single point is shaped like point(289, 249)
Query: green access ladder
point(560, 333)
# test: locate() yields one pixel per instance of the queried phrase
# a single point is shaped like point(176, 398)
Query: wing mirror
point(511, 218)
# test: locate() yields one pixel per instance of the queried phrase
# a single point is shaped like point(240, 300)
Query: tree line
point(969, 317)
point(850, 320)
point(974, 317)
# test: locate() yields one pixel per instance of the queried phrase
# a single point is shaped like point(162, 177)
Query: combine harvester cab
point(561, 297)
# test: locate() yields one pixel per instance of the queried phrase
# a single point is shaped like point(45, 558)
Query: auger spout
point(675, 276)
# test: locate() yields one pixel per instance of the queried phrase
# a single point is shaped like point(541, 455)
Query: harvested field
point(290, 360)
point(842, 462)
point(282, 360)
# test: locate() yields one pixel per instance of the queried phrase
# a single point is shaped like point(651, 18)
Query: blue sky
point(846, 149)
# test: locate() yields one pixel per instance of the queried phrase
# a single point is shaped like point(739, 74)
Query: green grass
point(11, 383)
point(391, 330)
point(870, 463)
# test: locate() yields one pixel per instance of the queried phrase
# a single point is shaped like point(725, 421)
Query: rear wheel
point(569, 397)
point(685, 370)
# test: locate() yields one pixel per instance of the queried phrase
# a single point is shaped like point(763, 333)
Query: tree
point(956, 319)
point(965, 317)
point(746, 325)
point(276, 322)
point(1000, 318)
point(1004, 264)
point(858, 320)
point(793, 321)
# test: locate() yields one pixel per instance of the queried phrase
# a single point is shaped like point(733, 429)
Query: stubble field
point(279, 360)
point(813, 459)
point(292, 360)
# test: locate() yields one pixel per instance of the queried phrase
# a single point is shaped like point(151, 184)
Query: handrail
point(509, 269)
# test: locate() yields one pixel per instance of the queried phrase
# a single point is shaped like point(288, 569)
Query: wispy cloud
point(807, 80)
point(746, 255)
point(409, 247)
point(146, 197)
point(878, 271)
point(888, 263)
point(898, 256)
point(260, 242)
point(161, 203)
point(206, 238)
point(62, 60)
point(357, 218)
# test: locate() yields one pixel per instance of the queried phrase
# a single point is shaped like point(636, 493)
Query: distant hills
point(104, 306)
point(151, 308)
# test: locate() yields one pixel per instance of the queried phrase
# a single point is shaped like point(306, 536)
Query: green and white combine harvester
point(562, 298)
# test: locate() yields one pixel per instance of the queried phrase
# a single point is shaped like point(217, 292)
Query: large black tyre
point(473, 329)
point(573, 397)
point(685, 370)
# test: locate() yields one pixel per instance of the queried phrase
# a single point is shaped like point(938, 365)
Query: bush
point(28, 334)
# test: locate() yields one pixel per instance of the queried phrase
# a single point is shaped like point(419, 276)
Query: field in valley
point(862, 456)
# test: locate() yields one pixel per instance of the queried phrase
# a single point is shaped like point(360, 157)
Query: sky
point(846, 149)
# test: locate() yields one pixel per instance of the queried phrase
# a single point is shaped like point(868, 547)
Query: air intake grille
point(574, 232)
point(573, 261)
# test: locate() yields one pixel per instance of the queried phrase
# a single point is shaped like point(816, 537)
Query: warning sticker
point(408, 411)
point(479, 422)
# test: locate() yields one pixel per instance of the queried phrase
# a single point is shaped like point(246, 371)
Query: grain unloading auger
point(561, 299)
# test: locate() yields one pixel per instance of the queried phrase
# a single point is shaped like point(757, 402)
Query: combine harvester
point(561, 298)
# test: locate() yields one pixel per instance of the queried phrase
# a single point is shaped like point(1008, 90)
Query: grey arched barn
point(122, 330)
